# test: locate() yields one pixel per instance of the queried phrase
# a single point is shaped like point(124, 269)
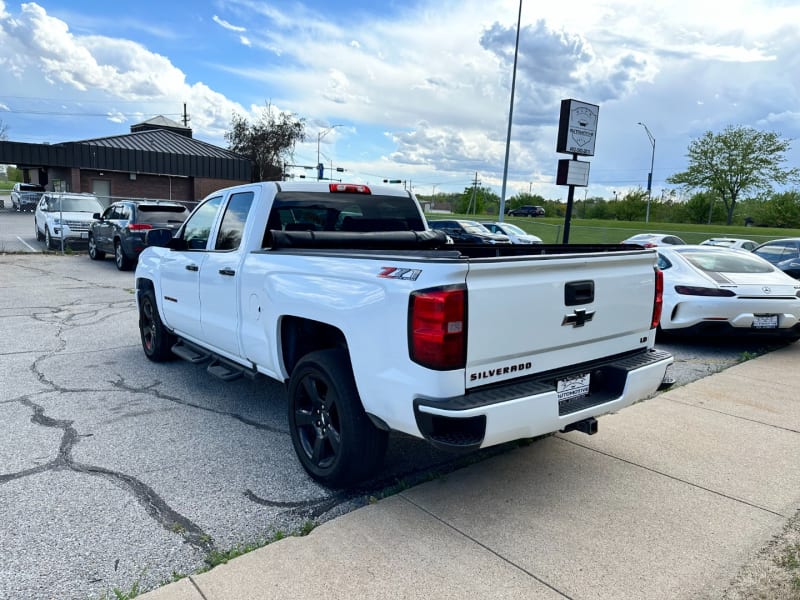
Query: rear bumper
point(530, 407)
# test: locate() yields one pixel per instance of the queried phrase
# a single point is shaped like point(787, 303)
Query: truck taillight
point(437, 327)
point(658, 301)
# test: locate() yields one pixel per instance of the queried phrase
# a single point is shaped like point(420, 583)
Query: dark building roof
point(158, 151)
point(161, 140)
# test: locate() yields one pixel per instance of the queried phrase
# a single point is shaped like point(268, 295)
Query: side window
point(230, 232)
point(198, 227)
point(108, 212)
point(663, 263)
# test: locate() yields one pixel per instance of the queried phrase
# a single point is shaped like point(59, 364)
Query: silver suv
point(65, 217)
point(24, 196)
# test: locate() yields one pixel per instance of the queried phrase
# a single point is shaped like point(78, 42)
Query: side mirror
point(158, 237)
point(96, 216)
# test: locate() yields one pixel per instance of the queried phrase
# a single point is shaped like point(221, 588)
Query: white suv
point(65, 216)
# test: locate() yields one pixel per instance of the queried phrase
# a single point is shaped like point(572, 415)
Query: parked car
point(25, 196)
point(468, 232)
point(516, 234)
point(783, 253)
point(733, 243)
point(651, 240)
point(708, 289)
point(121, 228)
point(527, 211)
point(64, 216)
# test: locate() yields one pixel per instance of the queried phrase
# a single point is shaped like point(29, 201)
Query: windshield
point(473, 227)
point(514, 229)
point(74, 204)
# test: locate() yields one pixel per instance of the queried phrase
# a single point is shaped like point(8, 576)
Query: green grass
point(595, 231)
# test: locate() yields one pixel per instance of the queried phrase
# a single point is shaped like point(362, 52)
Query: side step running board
point(218, 367)
point(191, 353)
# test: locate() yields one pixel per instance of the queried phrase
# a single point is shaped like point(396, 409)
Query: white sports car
point(713, 290)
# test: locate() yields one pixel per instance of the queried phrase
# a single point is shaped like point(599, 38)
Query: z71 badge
point(398, 273)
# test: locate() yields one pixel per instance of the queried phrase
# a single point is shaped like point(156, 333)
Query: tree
point(738, 161)
point(478, 200)
point(632, 206)
point(268, 142)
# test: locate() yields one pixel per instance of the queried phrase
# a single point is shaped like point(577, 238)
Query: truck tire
point(333, 437)
point(94, 253)
point(157, 341)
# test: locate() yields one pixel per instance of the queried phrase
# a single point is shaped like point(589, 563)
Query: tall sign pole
point(577, 131)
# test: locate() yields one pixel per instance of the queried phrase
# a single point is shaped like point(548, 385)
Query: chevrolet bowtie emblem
point(579, 318)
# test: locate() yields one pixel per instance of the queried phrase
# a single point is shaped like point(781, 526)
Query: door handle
point(192, 268)
point(227, 271)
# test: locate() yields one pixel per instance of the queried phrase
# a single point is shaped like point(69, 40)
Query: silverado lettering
point(288, 280)
point(500, 371)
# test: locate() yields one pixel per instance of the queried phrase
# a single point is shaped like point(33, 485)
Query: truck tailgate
point(529, 314)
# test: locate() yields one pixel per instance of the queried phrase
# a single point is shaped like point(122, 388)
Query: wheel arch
point(300, 336)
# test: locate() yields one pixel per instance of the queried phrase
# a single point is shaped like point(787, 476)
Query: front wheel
point(157, 341)
point(333, 437)
point(39, 236)
point(94, 253)
point(48, 239)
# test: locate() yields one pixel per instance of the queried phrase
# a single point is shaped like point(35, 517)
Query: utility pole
point(475, 183)
point(650, 174)
point(186, 118)
point(510, 118)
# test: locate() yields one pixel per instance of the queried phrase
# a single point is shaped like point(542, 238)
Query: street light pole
point(321, 134)
point(649, 175)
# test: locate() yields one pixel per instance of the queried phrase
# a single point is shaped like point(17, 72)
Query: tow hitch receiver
point(587, 426)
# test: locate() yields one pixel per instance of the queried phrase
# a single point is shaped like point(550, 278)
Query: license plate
point(84, 235)
point(765, 321)
point(575, 386)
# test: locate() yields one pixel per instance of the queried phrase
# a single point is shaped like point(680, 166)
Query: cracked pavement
point(115, 470)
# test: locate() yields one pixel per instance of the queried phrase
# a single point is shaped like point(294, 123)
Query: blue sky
point(417, 90)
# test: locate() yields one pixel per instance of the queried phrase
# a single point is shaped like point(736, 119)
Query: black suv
point(527, 211)
point(468, 232)
point(122, 226)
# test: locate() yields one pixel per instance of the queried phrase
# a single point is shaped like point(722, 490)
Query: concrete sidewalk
point(669, 500)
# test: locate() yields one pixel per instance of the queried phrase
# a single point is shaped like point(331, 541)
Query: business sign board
point(573, 172)
point(577, 128)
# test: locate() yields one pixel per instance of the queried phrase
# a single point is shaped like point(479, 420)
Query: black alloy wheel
point(157, 341)
point(333, 437)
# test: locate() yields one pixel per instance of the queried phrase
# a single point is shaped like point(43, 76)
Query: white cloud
point(224, 24)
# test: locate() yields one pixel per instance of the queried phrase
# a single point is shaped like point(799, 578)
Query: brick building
point(158, 159)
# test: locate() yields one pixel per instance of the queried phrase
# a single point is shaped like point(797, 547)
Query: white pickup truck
point(377, 323)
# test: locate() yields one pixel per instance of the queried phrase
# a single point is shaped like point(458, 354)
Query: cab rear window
point(323, 211)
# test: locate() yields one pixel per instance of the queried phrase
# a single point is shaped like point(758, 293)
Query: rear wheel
point(157, 341)
point(121, 259)
point(332, 435)
point(94, 253)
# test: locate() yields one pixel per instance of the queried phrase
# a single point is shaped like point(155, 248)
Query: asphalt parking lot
point(116, 470)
